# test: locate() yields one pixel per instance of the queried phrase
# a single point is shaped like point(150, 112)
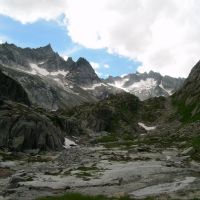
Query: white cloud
point(28, 11)
point(65, 57)
point(106, 66)
point(162, 35)
point(72, 50)
point(3, 39)
point(123, 75)
point(95, 65)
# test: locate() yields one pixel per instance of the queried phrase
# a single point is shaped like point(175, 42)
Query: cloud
point(65, 57)
point(3, 39)
point(106, 66)
point(95, 65)
point(28, 11)
point(69, 52)
point(162, 35)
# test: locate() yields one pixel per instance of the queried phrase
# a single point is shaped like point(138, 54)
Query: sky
point(116, 36)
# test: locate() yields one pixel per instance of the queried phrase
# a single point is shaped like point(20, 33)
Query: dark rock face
point(82, 73)
point(188, 97)
point(13, 56)
point(12, 90)
point(116, 114)
point(23, 128)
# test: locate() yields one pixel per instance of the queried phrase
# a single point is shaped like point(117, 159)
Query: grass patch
point(107, 138)
point(185, 111)
point(39, 158)
point(195, 143)
point(87, 172)
point(76, 196)
point(83, 174)
point(120, 144)
point(84, 168)
point(9, 156)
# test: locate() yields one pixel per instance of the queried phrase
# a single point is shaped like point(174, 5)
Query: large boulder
point(23, 128)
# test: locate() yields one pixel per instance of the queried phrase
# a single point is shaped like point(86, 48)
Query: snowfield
point(147, 128)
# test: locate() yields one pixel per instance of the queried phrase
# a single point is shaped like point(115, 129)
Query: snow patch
point(168, 91)
point(94, 86)
point(120, 84)
point(41, 63)
point(147, 128)
point(139, 86)
point(123, 75)
point(59, 72)
point(143, 84)
point(68, 143)
point(38, 70)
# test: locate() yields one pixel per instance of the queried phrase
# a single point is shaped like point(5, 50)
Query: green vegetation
point(121, 144)
point(9, 156)
point(91, 168)
point(185, 112)
point(39, 158)
point(76, 196)
point(84, 175)
point(117, 140)
point(87, 172)
point(115, 114)
point(107, 138)
point(152, 109)
point(195, 143)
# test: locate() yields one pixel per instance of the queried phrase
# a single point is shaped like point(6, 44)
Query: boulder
point(23, 128)
point(188, 151)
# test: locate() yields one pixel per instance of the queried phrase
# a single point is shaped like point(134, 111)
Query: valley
point(65, 131)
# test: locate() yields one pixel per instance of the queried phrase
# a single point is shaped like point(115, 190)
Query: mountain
point(42, 74)
point(52, 83)
point(146, 85)
point(115, 114)
point(188, 97)
point(82, 73)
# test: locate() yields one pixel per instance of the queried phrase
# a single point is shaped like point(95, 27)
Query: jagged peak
point(82, 60)
point(46, 47)
point(70, 59)
point(6, 44)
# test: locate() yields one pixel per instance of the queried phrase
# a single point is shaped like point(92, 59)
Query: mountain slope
point(42, 74)
point(188, 97)
point(116, 114)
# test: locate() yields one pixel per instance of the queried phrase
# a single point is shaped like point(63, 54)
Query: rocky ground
point(138, 171)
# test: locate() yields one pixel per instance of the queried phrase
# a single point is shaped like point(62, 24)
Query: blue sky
point(43, 32)
point(162, 35)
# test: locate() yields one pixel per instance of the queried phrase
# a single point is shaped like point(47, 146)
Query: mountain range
point(52, 83)
point(146, 85)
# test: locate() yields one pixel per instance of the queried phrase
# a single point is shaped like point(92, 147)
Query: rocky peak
point(82, 61)
point(82, 73)
point(146, 85)
point(45, 49)
point(70, 61)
